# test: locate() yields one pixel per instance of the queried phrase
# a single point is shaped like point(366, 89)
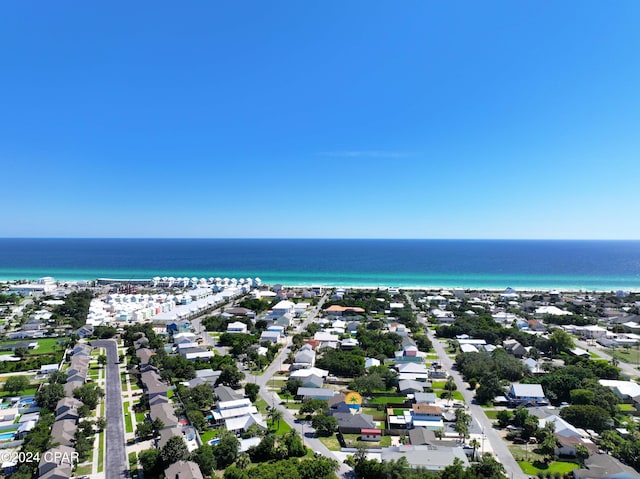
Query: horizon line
point(303, 238)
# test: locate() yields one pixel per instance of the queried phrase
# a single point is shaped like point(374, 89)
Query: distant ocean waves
point(576, 265)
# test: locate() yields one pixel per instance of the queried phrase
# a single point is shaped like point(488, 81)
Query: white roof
point(553, 310)
point(322, 336)
point(527, 390)
point(304, 373)
point(624, 388)
point(468, 348)
point(562, 427)
point(284, 305)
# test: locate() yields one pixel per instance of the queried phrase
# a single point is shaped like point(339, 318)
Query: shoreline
point(413, 287)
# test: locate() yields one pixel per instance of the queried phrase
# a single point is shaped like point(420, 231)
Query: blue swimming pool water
point(7, 436)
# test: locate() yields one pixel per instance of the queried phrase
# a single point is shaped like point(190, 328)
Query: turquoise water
point(494, 264)
point(7, 436)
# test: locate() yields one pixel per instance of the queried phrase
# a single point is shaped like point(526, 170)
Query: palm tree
point(243, 461)
point(450, 386)
point(475, 444)
point(275, 415)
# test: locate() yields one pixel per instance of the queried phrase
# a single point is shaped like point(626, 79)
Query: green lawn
point(133, 461)
point(83, 470)
point(626, 407)
point(101, 452)
point(170, 393)
point(492, 414)
point(387, 399)
point(45, 346)
point(140, 417)
point(456, 395)
point(631, 356)
point(208, 435)
point(283, 428)
point(559, 467)
point(128, 426)
point(330, 442)
point(438, 384)
point(26, 392)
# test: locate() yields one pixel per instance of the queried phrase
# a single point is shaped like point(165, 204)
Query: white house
point(527, 393)
point(237, 327)
point(283, 307)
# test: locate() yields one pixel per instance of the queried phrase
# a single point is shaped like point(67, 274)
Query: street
point(116, 466)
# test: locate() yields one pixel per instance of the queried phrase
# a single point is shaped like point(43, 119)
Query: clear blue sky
point(413, 119)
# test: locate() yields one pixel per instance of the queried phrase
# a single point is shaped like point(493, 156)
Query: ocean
point(486, 264)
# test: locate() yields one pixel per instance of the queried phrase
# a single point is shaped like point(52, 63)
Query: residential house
point(353, 423)
point(409, 386)
point(604, 466)
point(527, 394)
point(67, 408)
point(514, 348)
point(56, 463)
point(431, 458)
point(370, 434)
point(425, 415)
point(183, 470)
point(63, 432)
point(315, 393)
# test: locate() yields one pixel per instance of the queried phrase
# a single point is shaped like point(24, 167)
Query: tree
point(548, 446)
point(475, 444)
point(582, 453)
point(243, 461)
point(275, 416)
point(144, 430)
point(294, 444)
point(21, 352)
point(102, 359)
point(101, 423)
point(197, 419)
point(561, 341)
point(252, 390)
point(586, 417)
point(15, 384)
point(150, 462)
point(368, 383)
point(49, 395)
point(88, 394)
point(324, 425)
point(226, 451)
point(489, 389)
point(504, 418)
point(230, 376)
point(203, 456)
point(202, 395)
point(174, 450)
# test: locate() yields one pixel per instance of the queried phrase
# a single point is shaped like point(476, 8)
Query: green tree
point(230, 376)
point(561, 341)
point(251, 390)
point(202, 395)
point(151, 462)
point(582, 453)
point(15, 384)
point(586, 417)
point(504, 418)
point(174, 450)
point(367, 384)
point(203, 456)
point(49, 395)
point(294, 444)
point(324, 425)
point(102, 359)
point(226, 451)
point(144, 430)
point(548, 446)
point(275, 415)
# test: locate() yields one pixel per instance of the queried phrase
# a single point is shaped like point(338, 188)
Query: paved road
point(626, 369)
point(116, 466)
point(500, 450)
point(304, 428)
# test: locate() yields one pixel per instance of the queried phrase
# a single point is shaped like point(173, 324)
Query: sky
point(338, 119)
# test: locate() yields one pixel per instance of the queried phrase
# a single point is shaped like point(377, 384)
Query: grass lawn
point(83, 470)
point(140, 416)
point(330, 442)
point(128, 426)
point(387, 399)
point(170, 393)
point(261, 404)
point(45, 346)
point(491, 414)
point(559, 467)
point(631, 356)
point(456, 395)
point(101, 452)
point(134, 387)
point(626, 407)
point(283, 428)
point(25, 392)
point(438, 384)
point(208, 435)
point(133, 461)
point(294, 406)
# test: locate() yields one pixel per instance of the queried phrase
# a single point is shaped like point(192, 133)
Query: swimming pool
point(7, 436)
point(214, 442)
